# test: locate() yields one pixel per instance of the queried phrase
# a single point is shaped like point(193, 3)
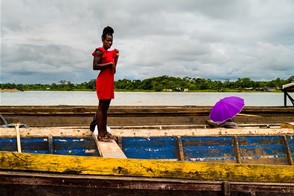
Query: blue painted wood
point(8, 144)
point(75, 146)
point(255, 149)
point(150, 148)
point(208, 148)
point(64, 146)
point(270, 148)
point(34, 145)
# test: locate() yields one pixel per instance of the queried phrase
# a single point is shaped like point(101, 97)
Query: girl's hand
point(117, 52)
point(116, 57)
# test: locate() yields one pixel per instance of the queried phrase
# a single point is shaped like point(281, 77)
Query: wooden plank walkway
point(108, 149)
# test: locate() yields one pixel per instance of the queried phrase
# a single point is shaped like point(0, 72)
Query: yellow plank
point(145, 168)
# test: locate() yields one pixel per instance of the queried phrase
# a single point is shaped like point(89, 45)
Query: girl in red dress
point(104, 60)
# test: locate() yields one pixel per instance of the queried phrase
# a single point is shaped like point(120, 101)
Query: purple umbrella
point(226, 109)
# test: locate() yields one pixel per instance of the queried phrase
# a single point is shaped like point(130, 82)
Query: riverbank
point(9, 90)
point(152, 91)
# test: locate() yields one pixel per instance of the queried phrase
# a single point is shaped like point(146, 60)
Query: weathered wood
point(110, 150)
point(288, 125)
point(180, 147)
point(237, 149)
point(138, 115)
point(143, 132)
point(70, 184)
point(94, 136)
point(286, 88)
point(50, 144)
point(226, 188)
point(263, 188)
point(288, 150)
point(145, 168)
point(18, 138)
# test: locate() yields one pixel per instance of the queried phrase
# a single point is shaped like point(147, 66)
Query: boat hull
point(227, 163)
point(69, 184)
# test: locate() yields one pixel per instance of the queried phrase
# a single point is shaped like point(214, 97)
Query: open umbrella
point(226, 109)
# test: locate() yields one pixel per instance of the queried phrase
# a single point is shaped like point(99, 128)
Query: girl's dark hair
point(107, 31)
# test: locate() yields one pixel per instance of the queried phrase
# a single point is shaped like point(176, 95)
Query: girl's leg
point(101, 117)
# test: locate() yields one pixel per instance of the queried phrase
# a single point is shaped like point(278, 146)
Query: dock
point(287, 88)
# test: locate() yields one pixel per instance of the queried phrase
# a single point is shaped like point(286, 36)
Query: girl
point(104, 60)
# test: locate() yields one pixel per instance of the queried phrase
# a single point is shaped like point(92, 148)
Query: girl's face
point(107, 42)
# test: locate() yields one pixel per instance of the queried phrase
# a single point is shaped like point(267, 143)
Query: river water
point(136, 98)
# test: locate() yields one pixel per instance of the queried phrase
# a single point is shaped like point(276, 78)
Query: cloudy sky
point(45, 41)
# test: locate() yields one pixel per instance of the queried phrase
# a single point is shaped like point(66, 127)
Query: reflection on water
point(137, 98)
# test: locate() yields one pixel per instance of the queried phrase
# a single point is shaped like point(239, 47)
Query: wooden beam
point(18, 138)
point(54, 116)
point(180, 148)
point(226, 188)
point(237, 149)
point(143, 132)
point(108, 149)
point(50, 144)
point(288, 150)
point(145, 168)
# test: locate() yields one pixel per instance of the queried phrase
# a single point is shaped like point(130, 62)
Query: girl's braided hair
point(107, 31)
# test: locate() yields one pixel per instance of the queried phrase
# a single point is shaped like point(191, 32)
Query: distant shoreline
point(9, 90)
point(118, 90)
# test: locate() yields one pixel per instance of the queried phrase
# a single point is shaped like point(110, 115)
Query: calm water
point(137, 98)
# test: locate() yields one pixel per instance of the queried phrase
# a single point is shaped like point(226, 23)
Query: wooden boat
point(60, 116)
point(147, 160)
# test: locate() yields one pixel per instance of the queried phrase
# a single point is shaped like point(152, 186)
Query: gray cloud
point(49, 41)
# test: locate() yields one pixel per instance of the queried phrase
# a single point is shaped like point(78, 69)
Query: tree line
point(161, 83)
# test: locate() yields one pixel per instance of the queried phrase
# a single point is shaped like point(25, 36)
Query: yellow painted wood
point(145, 168)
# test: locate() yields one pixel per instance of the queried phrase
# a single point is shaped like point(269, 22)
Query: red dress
point(105, 79)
